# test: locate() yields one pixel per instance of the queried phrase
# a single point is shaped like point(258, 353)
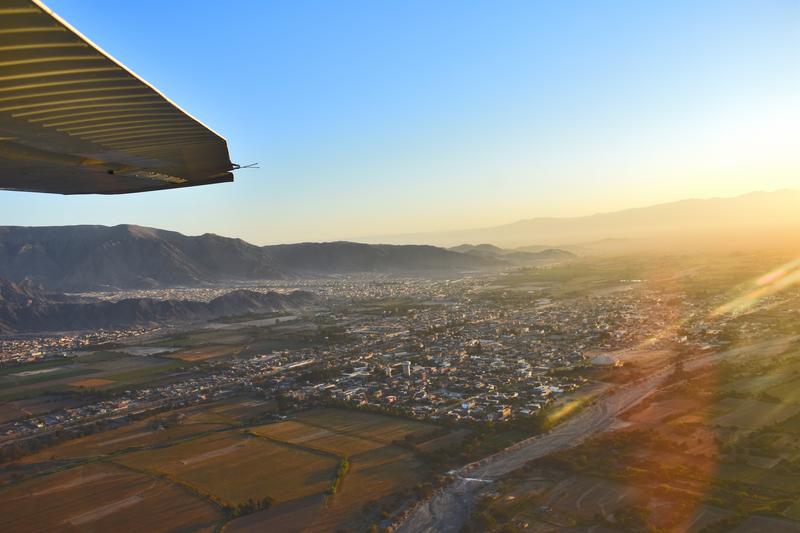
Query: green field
point(752, 414)
point(58, 376)
point(98, 357)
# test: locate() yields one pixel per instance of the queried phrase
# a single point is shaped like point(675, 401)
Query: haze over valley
point(753, 220)
point(400, 267)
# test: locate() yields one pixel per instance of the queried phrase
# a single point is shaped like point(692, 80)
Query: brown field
point(585, 495)
point(91, 382)
point(384, 429)
point(231, 411)
point(189, 461)
point(318, 438)
point(454, 437)
point(9, 412)
point(657, 412)
point(296, 515)
point(378, 469)
point(203, 353)
point(572, 499)
point(100, 497)
point(233, 467)
point(138, 434)
point(373, 476)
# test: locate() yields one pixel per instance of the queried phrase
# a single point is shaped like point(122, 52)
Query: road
point(448, 509)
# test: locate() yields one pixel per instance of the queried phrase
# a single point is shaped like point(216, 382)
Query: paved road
point(448, 509)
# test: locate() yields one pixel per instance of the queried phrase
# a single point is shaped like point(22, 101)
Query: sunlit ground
point(715, 448)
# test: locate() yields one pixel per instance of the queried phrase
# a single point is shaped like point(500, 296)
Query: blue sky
point(394, 117)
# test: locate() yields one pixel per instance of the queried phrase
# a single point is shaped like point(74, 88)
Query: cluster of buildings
point(29, 349)
point(472, 359)
point(345, 288)
point(436, 350)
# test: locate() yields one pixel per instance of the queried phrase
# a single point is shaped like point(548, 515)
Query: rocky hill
point(71, 258)
point(26, 310)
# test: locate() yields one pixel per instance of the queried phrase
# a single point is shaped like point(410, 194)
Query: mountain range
point(23, 309)
point(83, 258)
point(86, 258)
point(758, 219)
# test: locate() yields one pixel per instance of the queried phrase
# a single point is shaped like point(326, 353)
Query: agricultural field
point(382, 428)
point(205, 464)
point(45, 403)
point(566, 501)
point(92, 383)
point(244, 338)
point(753, 414)
point(294, 516)
point(451, 438)
point(232, 412)
point(233, 467)
point(144, 434)
point(378, 469)
point(374, 477)
point(204, 353)
point(100, 497)
point(317, 438)
point(102, 370)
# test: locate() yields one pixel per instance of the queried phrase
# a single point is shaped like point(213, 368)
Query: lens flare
point(773, 282)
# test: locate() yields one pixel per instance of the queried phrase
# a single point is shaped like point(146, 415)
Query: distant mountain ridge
point(517, 256)
point(80, 258)
point(25, 310)
point(345, 257)
point(758, 219)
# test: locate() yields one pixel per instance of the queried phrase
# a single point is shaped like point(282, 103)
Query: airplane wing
point(73, 120)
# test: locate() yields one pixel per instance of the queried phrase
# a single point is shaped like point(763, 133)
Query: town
point(461, 350)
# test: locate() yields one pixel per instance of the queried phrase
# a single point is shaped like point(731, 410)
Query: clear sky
point(405, 116)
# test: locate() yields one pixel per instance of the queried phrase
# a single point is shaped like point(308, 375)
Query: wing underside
point(73, 120)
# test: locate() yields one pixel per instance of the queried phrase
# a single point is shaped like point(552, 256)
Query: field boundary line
point(217, 502)
point(293, 445)
point(343, 432)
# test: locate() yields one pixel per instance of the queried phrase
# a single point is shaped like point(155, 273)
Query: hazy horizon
point(690, 224)
point(369, 120)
